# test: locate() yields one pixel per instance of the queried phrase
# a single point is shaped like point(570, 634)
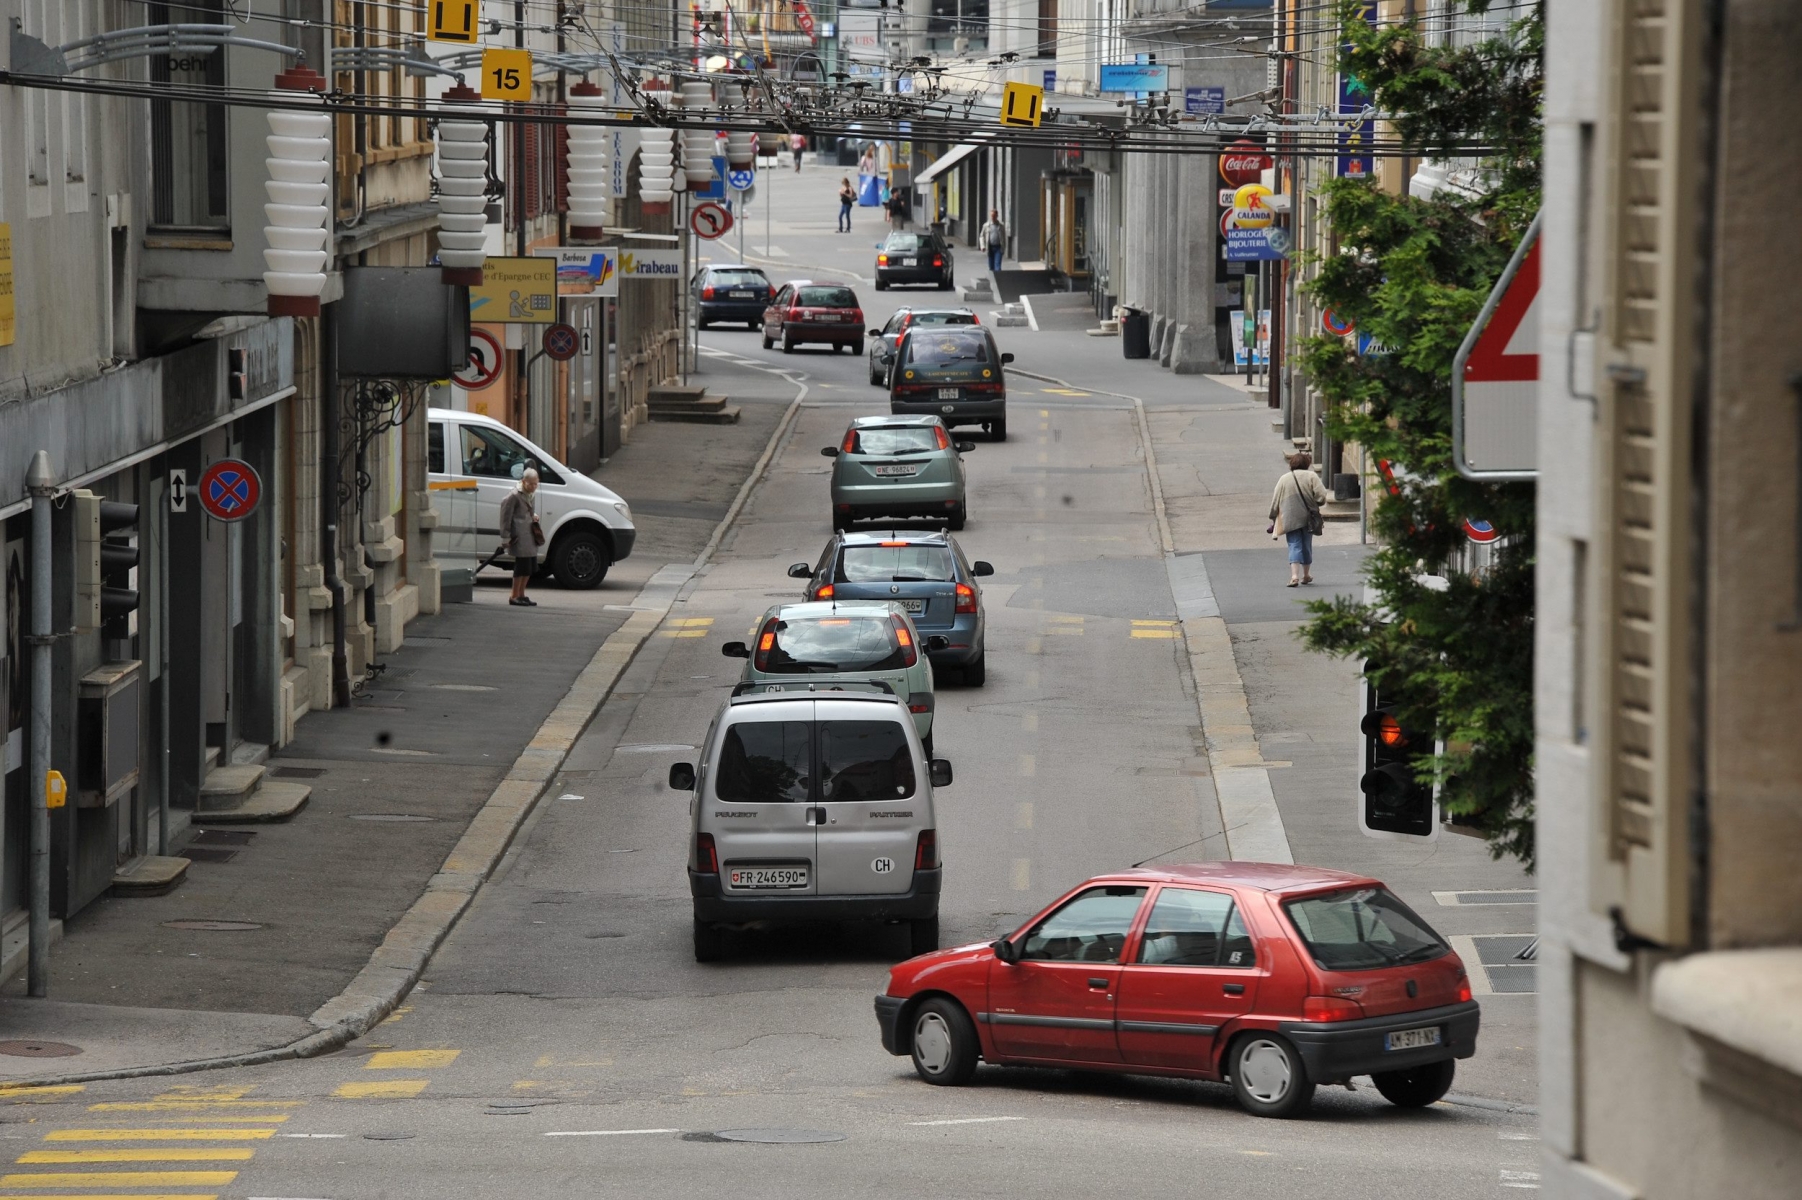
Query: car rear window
point(822, 645)
point(739, 279)
point(765, 762)
point(827, 297)
point(940, 350)
point(896, 439)
point(895, 564)
point(906, 243)
point(1362, 928)
point(944, 318)
point(865, 760)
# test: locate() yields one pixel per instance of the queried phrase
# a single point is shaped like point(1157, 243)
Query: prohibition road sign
point(561, 342)
point(1335, 324)
point(1479, 531)
point(485, 361)
point(229, 490)
point(710, 220)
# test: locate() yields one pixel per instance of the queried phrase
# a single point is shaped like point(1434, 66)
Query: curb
point(400, 961)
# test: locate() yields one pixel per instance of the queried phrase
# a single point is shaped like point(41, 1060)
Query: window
point(907, 243)
point(944, 318)
point(827, 297)
point(939, 350)
point(829, 645)
point(1047, 29)
point(493, 454)
point(187, 140)
point(1192, 928)
point(753, 279)
point(865, 760)
point(895, 564)
point(1362, 928)
point(435, 449)
point(766, 762)
point(901, 439)
point(1092, 927)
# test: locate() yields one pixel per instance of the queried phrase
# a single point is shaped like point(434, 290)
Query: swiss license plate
point(913, 605)
point(1412, 1039)
point(821, 317)
point(739, 295)
point(777, 878)
point(910, 262)
point(897, 469)
point(949, 393)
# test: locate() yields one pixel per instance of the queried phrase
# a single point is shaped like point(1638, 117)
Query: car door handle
point(1097, 982)
point(817, 816)
point(1233, 989)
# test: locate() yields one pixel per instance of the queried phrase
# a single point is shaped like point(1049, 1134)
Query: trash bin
point(1135, 333)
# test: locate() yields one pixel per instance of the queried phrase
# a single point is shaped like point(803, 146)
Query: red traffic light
point(1381, 724)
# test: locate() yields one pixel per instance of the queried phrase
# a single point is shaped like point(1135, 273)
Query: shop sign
point(1134, 77)
point(515, 291)
point(584, 270)
point(650, 264)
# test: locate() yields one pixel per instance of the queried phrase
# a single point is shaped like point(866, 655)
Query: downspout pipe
point(42, 485)
point(328, 498)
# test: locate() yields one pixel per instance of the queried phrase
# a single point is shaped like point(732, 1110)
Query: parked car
point(730, 293)
point(926, 573)
point(814, 311)
point(898, 467)
point(1277, 977)
point(923, 257)
point(474, 461)
point(812, 802)
point(954, 372)
point(854, 641)
point(882, 341)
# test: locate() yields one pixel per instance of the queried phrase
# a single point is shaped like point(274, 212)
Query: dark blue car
point(731, 293)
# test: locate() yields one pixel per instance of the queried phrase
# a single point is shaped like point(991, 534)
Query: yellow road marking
point(162, 1135)
point(1029, 766)
point(137, 1196)
point(1044, 412)
point(419, 1060)
point(258, 1119)
point(191, 1105)
point(386, 1089)
point(1044, 457)
point(16, 1091)
point(1034, 646)
point(1065, 618)
point(1029, 722)
point(685, 633)
point(140, 1154)
point(125, 1179)
point(1063, 392)
point(689, 621)
point(1166, 634)
point(1023, 815)
point(1164, 624)
point(1022, 874)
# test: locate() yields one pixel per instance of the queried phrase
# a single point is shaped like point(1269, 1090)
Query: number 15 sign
point(506, 75)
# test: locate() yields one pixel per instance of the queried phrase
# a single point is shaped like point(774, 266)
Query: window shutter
point(1643, 511)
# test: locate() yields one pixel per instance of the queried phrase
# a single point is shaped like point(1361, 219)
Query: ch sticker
point(883, 866)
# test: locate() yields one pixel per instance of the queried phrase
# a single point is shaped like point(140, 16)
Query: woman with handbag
point(522, 537)
point(1295, 515)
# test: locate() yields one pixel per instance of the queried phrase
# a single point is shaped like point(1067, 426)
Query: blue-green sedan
point(898, 466)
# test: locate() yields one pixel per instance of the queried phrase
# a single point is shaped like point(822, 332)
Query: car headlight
point(624, 511)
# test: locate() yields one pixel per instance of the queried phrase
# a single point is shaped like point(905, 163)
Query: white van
point(476, 459)
point(812, 802)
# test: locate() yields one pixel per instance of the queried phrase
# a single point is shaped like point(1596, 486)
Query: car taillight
point(707, 859)
point(944, 439)
point(937, 261)
point(825, 592)
point(926, 853)
point(707, 293)
point(910, 654)
point(966, 598)
point(882, 260)
point(765, 642)
point(975, 320)
point(850, 442)
point(1463, 988)
point(1330, 1008)
point(794, 314)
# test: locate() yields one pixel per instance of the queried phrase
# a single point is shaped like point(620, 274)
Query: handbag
point(1316, 522)
point(537, 533)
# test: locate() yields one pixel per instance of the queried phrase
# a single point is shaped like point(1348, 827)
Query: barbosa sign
point(650, 264)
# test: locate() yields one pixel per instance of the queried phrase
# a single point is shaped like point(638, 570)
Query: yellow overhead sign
point(454, 21)
point(506, 74)
point(515, 291)
point(1022, 104)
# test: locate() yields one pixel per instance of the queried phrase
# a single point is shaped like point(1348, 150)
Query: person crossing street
point(993, 238)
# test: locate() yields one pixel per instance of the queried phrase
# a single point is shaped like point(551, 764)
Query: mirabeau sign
point(650, 264)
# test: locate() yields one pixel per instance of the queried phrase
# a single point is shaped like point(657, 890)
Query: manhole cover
point(779, 1136)
point(386, 1137)
point(213, 926)
point(24, 1049)
point(393, 817)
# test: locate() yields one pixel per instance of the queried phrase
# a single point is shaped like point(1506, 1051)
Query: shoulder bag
point(1316, 522)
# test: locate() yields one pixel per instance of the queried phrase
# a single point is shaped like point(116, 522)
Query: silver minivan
point(812, 802)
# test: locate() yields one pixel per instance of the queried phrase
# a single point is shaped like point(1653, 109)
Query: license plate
point(897, 469)
point(822, 317)
point(948, 393)
point(777, 878)
point(910, 262)
point(1412, 1039)
point(913, 605)
point(739, 295)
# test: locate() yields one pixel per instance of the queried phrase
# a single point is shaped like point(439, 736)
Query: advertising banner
point(584, 270)
point(650, 264)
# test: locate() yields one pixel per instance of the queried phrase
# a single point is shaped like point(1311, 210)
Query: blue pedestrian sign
point(741, 181)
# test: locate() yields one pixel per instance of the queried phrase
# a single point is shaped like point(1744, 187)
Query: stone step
point(270, 802)
point(706, 402)
point(698, 416)
point(151, 875)
point(227, 787)
point(249, 754)
point(1341, 510)
point(679, 393)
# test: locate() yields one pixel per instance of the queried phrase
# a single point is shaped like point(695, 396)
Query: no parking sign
point(230, 490)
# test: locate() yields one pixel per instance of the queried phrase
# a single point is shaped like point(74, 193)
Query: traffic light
point(118, 559)
point(1396, 805)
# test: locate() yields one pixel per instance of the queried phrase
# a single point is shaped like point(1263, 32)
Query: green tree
point(1414, 273)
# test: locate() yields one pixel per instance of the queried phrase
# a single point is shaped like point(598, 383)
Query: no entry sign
point(230, 490)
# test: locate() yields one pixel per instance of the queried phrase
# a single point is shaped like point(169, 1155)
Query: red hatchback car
point(814, 311)
point(1276, 977)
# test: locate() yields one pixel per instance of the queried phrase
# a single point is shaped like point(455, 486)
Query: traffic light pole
point(41, 484)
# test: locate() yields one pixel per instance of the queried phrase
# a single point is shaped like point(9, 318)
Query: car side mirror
point(937, 641)
point(965, 447)
point(1006, 357)
point(829, 451)
point(875, 333)
point(982, 568)
point(1005, 951)
point(735, 650)
point(682, 776)
point(941, 772)
point(800, 571)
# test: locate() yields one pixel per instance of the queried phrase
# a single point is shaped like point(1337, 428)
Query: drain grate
point(386, 1137)
point(212, 854)
point(297, 772)
point(213, 926)
point(779, 1137)
point(29, 1049)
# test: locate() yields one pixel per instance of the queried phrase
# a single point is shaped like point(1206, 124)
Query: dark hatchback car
point(926, 573)
point(732, 294)
point(914, 258)
point(818, 311)
point(954, 373)
point(882, 341)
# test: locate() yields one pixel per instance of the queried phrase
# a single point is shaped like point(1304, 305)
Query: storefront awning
point(947, 160)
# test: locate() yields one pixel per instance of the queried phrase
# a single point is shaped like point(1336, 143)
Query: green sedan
point(898, 466)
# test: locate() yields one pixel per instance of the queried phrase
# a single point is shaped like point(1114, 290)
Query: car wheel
point(875, 379)
point(945, 1048)
point(841, 523)
point(882, 285)
point(710, 943)
point(788, 345)
point(976, 671)
point(998, 431)
point(1268, 1077)
point(945, 284)
point(1416, 1087)
point(700, 324)
point(854, 347)
point(923, 935)
point(580, 560)
point(767, 343)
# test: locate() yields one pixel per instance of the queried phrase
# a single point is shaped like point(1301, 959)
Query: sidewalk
point(274, 921)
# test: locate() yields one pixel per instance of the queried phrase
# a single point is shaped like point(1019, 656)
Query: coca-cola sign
point(1242, 163)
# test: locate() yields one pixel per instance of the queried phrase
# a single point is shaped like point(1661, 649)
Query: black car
point(882, 341)
point(914, 258)
point(954, 372)
point(731, 293)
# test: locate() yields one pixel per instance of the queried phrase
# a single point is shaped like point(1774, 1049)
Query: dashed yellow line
point(190, 1105)
point(140, 1154)
point(383, 1089)
point(410, 1060)
point(123, 1179)
point(687, 627)
point(1022, 875)
point(24, 1093)
point(1167, 630)
point(162, 1135)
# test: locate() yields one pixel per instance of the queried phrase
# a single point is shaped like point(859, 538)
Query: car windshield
point(897, 439)
point(821, 645)
point(739, 279)
point(895, 563)
point(938, 350)
point(1360, 928)
point(944, 318)
point(906, 243)
point(827, 297)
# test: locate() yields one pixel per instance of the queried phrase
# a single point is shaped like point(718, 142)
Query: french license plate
point(910, 262)
point(1412, 1039)
point(949, 393)
point(774, 878)
point(739, 295)
point(913, 605)
point(897, 469)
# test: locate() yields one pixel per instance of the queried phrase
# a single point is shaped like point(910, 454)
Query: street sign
point(709, 220)
point(506, 74)
point(516, 291)
point(1134, 77)
point(1336, 325)
point(1199, 101)
point(485, 361)
point(230, 490)
point(178, 490)
point(1242, 163)
point(1254, 245)
point(1022, 105)
point(1495, 376)
point(561, 342)
point(453, 21)
point(804, 18)
point(650, 264)
point(1050, 79)
point(741, 181)
point(1369, 347)
point(1480, 532)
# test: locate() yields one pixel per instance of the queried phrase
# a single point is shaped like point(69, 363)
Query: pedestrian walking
point(521, 535)
point(1295, 515)
point(847, 196)
point(993, 238)
point(798, 144)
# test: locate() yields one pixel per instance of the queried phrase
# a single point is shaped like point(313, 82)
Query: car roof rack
point(763, 689)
